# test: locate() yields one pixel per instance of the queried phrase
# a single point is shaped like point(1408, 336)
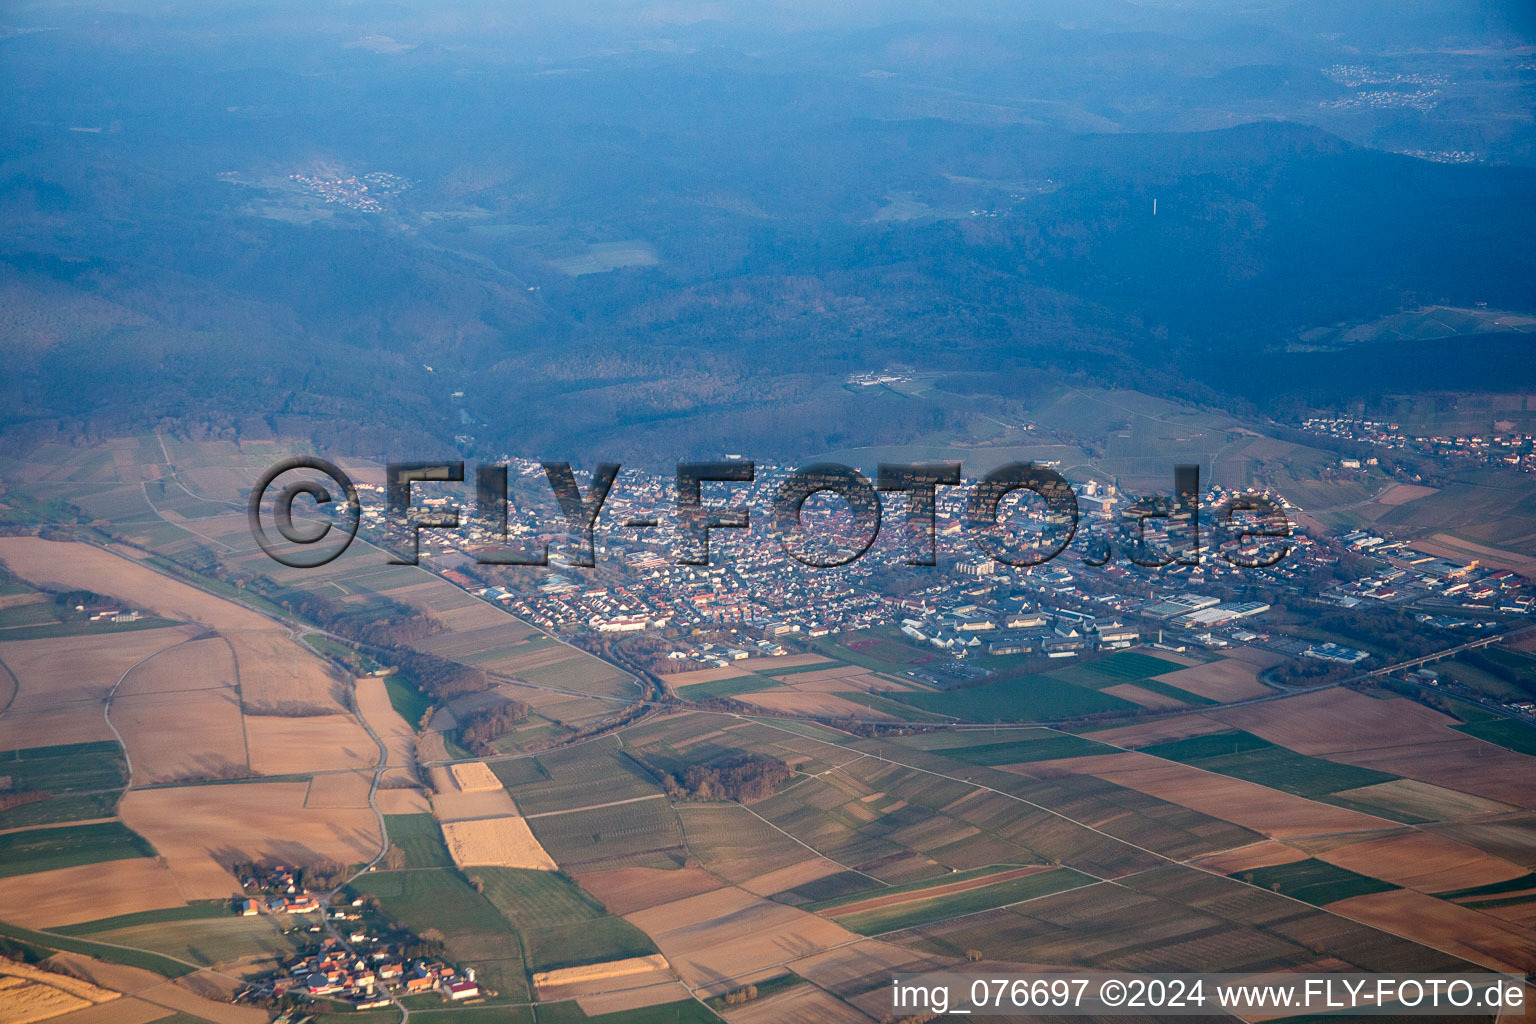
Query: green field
point(66, 768)
point(641, 834)
point(1068, 692)
point(192, 912)
point(83, 807)
point(1526, 881)
point(209, 941)
point(583, 942)
point(432, 899)
point(80, 627)
point(1517, 736)
point(735, 685)
point(884, 650)
point(1245, 756)
point(939, 908)
point(419, 838)
point(131, 957)
point(35, 614)
point(587, 773)
point(1128, 667)
point(537, 899)
point(1119, 667)
point(1031, 698)
point(1047, 746)
point(410, 702)
point(875, 702)
point(44, 849)
point(1314, 881)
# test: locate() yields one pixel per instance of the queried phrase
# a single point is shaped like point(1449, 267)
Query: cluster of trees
point(384, 626)
point(389, 629)
point(479, 730)
point(741, 995)
point(1505, 671)
point(743, 779)
point(324, 875)
point(429, 945)
point(436, 677)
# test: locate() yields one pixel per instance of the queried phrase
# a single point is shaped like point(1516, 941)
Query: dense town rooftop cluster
point(1511, 449)
point(352, 957)
point(968, 604)
point(356, 193)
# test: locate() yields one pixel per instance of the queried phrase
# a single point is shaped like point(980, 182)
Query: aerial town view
point(675, 513)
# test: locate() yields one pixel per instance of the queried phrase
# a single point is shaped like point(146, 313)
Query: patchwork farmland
point(583, 866)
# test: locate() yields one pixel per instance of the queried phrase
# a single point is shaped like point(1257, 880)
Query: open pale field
point(738, 846)
point(474, 777)
point(198, 828)
point(1424, 800)
point(1459, 550)
point(54, 672)
point(76, 566)
point(626, 890)
point(478, 615)
point(826, 705)
point(867, 965)
point(198, 665)
point(1466, 933)
point(24, 1000)
point(398, 735)
point(229, 942)
point(1226, 680)
point(173, 997)
point(1146, 698)
point(791, 877)
point(401, 800)
point(822, 674)
point(339, 789)
point(862, 681)
point(281, 746)
point(880, 901)
point(803, 1004)
point(501, 842)
point(89, 892)
point(719, 935)
point(277, 672)
point(126, 1010)
point(1397, 736)
point(70, 723)
point(703, 675)
point(759, 663)
point(450, 803)
point(29, 994)
point(181, 736)
point(491, 635)
point(525, 657)
point(631, 999)
point(591, 978)
point(1266, 811)
point(1247, 858)
point(1145, 734)
point(1423, 861)
point(1401, 494)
